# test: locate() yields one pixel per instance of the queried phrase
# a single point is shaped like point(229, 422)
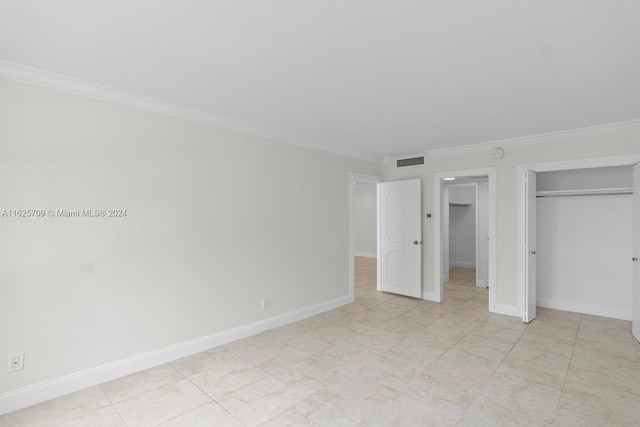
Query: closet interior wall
point(466, 214)
point(462, 226)
point(584, 221)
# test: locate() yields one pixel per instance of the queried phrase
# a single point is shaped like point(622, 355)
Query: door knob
point(415, 242)
point(634, 259)
point(533, 252)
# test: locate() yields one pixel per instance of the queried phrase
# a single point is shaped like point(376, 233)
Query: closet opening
point(583, 235)
point(575, 223)
point(465, 235)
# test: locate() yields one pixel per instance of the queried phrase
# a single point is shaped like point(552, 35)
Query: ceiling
point(368, 78)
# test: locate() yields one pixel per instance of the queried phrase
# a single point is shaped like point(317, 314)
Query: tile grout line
point(113, 405)
point(213, 400)
point(191, 382)
point(564, 381)
point(492, 374)
point(309, 395)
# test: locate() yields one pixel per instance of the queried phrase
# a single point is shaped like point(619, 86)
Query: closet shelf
point(585, 192)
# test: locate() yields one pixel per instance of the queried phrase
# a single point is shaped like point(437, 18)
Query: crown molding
point(22, 73)
point(33, 76)
point(627, 126)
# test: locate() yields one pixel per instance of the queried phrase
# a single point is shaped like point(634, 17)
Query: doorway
point(465, 243)
point(482, 199)
point(362, 229)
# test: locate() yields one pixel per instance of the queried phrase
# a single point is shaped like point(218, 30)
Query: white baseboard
point(366, 254)
point(34, 394)
point(577, 307)
point(430, 296)
point(507, 310)
point(462, 265)
point(481, 283)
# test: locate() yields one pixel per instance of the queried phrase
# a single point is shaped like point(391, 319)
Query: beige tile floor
point(384, 360)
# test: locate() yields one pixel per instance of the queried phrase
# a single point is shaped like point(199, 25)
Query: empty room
point(252, 213)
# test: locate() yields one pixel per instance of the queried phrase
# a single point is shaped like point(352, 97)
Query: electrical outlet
point(265, 303)
point(15, 362)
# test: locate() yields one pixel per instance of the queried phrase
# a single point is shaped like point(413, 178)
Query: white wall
point(462, 193)
point(462, 226)
point(584, 179)
point(583, 251)
point(364, 201)
point(575, 147)
point(215, 221)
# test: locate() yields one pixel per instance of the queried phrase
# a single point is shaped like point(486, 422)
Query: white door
point(530, 238)
point(400, 237)
point(636, 252)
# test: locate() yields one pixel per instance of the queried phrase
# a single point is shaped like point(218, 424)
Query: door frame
point(529, 303)
point(485, 241)
point(355, 178)
point(447, 227)
point(635, 253)
point(438, 293)
point(522, 169)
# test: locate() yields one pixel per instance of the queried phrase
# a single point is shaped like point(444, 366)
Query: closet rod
point(586, 192)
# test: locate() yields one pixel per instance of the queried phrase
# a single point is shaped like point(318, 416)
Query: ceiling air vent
point(410, 162)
